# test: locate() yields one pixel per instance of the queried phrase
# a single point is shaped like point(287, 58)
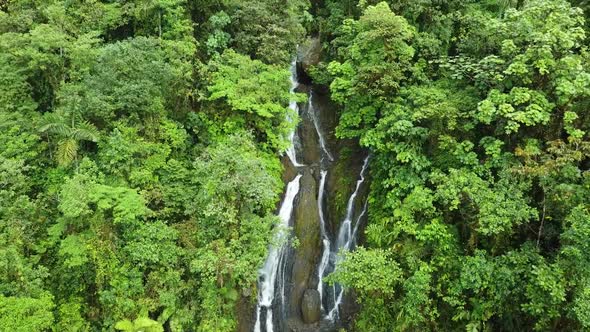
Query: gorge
point(162, 169)
point(322, 209)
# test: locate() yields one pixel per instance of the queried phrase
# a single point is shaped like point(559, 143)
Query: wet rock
point(289, 171)
point(309, 54)
point(244, 312)
point(327, 116)
point(307, 231)
point(311, 306)
point(341, 182)
point(309, 137)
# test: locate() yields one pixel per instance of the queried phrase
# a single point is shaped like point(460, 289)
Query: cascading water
point(272, 271)
point(345, 239)
point(279, 289)
point(291, 152)
point(315, 119)
point(358, 222)
point(276, 256)
point(325, 238)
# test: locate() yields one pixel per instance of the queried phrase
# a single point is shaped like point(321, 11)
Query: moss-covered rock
point(341, 182)
point(308, 54)
point(311, 306)
point(307, 231)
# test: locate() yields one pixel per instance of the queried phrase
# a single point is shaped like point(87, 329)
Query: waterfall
point(348, 230)
point(275, 284)
point(325, 238)
point(323, 175)
point(291, 152)
point(315, 119)
point(276, 255)
point(346, 240)
point(358, 222)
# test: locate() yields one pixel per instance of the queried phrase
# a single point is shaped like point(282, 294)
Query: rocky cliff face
point(307, 231)
point(303, 312)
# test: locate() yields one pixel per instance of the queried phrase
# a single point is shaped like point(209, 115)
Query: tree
point(375, 62)
point(140, 324)
point(120, 91)
point(23, 314)
point(252, 96)
point(70, 129)
point(473, 154)
point(237, 196)
point(267, 30)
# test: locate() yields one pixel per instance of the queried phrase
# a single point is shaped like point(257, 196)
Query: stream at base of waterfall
point(274, 277)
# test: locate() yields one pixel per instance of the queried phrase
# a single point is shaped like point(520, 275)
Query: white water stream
point(316, 124)
point(268, 274)
point(273, 275)
point(325, 238)
point(291, 152)
point(346, 239)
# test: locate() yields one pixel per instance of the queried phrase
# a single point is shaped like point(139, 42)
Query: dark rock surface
point(244, 309)
point(309, 137)
point(289, 171)
point(307, 231)
point(308, 54)
point(302, 312)
point(311, 306)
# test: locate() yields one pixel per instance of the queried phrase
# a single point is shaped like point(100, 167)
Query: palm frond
point(67, 150)
point(51, 122)
point(85, 131)
point(60, 129)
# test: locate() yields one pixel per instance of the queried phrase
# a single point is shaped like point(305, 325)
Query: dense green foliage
point(476, 114)
point(139, 166)
point(140, 143)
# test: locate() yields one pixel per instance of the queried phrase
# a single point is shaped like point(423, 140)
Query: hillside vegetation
point(140, 146)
